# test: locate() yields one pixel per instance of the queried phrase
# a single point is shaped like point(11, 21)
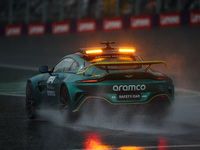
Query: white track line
point(186, 90)
point(15, 95)
point(188, 93)
point(174, 146)
point(147, 147)
point(19, 67)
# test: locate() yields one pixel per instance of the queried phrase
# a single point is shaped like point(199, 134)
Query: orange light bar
point(94, 51)
point(127, 50)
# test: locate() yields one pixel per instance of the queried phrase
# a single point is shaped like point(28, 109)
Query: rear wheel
point(65, 105)
point(30, 101)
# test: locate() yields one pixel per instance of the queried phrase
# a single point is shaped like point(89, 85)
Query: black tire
point(30, 101)
point(65, 105)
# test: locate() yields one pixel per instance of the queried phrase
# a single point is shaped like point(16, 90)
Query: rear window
point(117, 59)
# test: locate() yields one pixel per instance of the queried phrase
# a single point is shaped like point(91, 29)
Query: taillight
point(88, 81)
point(163, 96)
point(161, 78)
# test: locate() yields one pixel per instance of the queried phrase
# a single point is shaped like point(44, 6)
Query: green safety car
point(114, 76)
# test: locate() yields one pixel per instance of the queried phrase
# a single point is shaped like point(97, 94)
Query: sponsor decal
point(141, 22)
point(49, 86)
point(129, 96)
point(195, 18)
point(86, 26)
point(113, 97)
point(138, 87)
point(51, 93)
point(60, 28)
point(112, 56)
point(51, 79)
point(13, 30)
point(170, 20)
point(112, 24)
point(36, 29)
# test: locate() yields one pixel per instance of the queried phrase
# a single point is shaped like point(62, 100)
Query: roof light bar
point(94, 51)
point(126, 50)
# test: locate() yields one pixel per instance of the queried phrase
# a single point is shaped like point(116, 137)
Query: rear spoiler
point(148, 63)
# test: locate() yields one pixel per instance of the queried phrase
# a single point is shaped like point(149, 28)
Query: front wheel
point(30, 101)
point(65, 105)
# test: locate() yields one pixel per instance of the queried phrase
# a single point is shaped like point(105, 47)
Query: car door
point(54, 80)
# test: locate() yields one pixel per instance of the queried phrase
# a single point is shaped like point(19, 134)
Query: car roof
point(107, 49)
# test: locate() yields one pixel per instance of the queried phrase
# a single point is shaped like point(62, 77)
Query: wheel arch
point(64, 84)
point(70, 98)
point(35, 90)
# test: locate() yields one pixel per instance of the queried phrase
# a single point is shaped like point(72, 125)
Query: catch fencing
point(109, 24)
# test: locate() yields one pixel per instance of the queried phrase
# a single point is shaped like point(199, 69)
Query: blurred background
point(28, 11)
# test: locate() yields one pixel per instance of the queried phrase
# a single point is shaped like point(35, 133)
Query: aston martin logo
point(128, 76)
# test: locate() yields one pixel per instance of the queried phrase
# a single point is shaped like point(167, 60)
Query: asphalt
point(50, 131)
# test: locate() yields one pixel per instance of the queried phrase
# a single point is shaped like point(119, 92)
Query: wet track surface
point(179, 131)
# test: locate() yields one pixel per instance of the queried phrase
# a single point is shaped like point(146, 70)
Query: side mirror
point(44, 69)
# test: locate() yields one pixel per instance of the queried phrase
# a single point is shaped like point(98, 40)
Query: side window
point(63, 65)
point(138, 58)
point(74, 65)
